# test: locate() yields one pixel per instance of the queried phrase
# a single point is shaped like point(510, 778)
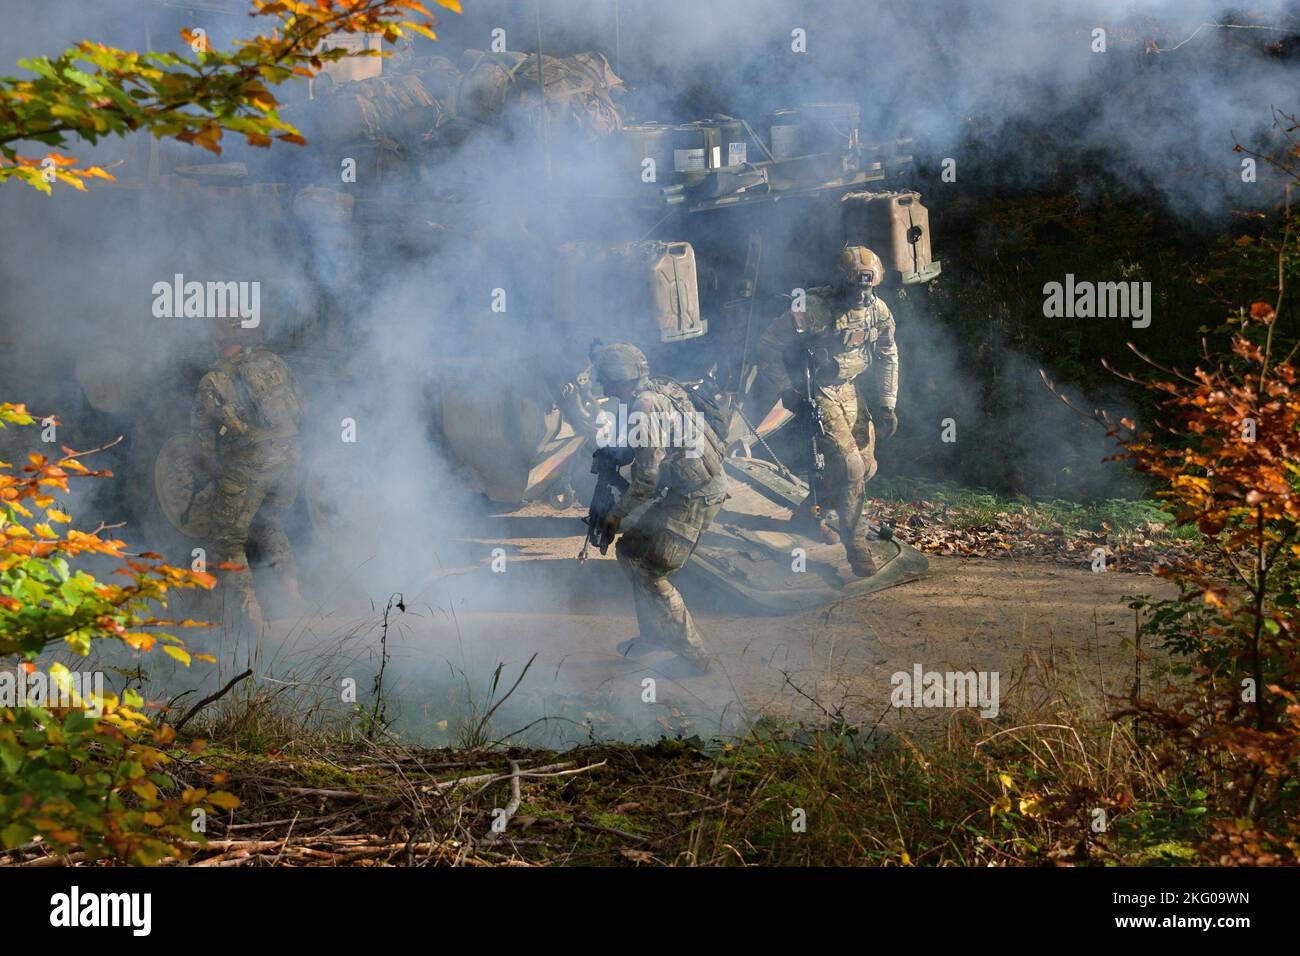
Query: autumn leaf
point(226, 801)
point(179, 653)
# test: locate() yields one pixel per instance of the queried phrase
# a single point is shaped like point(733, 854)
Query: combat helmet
point(229, 330)
point(620, 362)
point(858, 267)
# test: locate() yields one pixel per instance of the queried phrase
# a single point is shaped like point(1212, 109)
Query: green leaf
point(16, 834)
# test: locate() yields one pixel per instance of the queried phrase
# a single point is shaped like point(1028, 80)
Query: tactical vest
point(267, 398)
point(842, 340)
point(691, 476)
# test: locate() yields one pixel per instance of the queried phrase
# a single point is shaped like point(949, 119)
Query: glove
point(794, 400)
point(887, 423)
point(610, 525)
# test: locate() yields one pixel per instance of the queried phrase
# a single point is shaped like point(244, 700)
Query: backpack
point(268, 387)
point(702, 403)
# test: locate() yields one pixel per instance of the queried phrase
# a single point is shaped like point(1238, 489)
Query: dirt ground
point(964, 614)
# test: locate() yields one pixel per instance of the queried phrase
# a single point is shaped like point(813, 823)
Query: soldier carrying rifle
point(843, 331)
point(682, 484)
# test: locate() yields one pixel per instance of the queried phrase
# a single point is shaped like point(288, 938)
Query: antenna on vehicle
point(541, 87)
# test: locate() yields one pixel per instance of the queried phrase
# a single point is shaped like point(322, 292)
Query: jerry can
point(896, 226)
point(645, 292)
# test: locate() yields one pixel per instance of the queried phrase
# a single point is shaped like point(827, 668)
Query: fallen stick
point(635, 837)
point(210, 699)
point(63, 860)
point(510, 809)
point(550, 770)
point(332, 794)
point(485, 778)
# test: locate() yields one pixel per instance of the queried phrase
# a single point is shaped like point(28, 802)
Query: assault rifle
point(816, 432)
point(605, 463)
point(229, 422)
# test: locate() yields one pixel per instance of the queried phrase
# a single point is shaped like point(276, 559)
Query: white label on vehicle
point(737, 154)
point(688, 160)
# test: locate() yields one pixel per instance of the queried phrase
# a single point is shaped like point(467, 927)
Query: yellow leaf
point(139, 640)
point(145, 789)
point(227, 801)
point(182, 655)
point(54, 514)
point(1005, 779)
point(1030, 808)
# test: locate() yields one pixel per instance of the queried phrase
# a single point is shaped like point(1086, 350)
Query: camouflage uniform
point(245, 423)
point(693, 485)
point(845, 340)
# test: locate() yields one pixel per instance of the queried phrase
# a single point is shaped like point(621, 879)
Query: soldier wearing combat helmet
point(244, 424)
point(683, 484)
point(844, 331)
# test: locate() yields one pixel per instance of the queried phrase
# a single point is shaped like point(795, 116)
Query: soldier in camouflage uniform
point(693, 485)
point(245, 422)
point(844, 330)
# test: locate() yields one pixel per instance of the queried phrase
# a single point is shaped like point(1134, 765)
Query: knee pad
point(870, 465)
point(855, 469)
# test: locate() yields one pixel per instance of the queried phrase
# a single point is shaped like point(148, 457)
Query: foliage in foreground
point(1226, 460)
point(91, 91)
point(81, 767)
point(1052, 781)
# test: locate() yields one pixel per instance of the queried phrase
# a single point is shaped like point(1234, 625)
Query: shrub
point(81, 768)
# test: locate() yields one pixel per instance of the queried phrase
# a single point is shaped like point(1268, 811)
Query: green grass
point(1018, 790)
point(973, 508)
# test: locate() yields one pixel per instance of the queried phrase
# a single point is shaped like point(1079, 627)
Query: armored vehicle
point(685, 238)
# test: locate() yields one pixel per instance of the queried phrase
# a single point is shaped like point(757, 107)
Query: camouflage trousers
point(254, 490)
point(850, 450)
point(656, 546)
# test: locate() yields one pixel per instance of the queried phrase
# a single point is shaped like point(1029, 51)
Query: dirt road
point(965, 614)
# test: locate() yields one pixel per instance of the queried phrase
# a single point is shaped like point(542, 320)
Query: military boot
point(688, 645)
point(697, 657)
point(861, 561)
point(853, 528)
point(251, 612)
point(242, 610)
